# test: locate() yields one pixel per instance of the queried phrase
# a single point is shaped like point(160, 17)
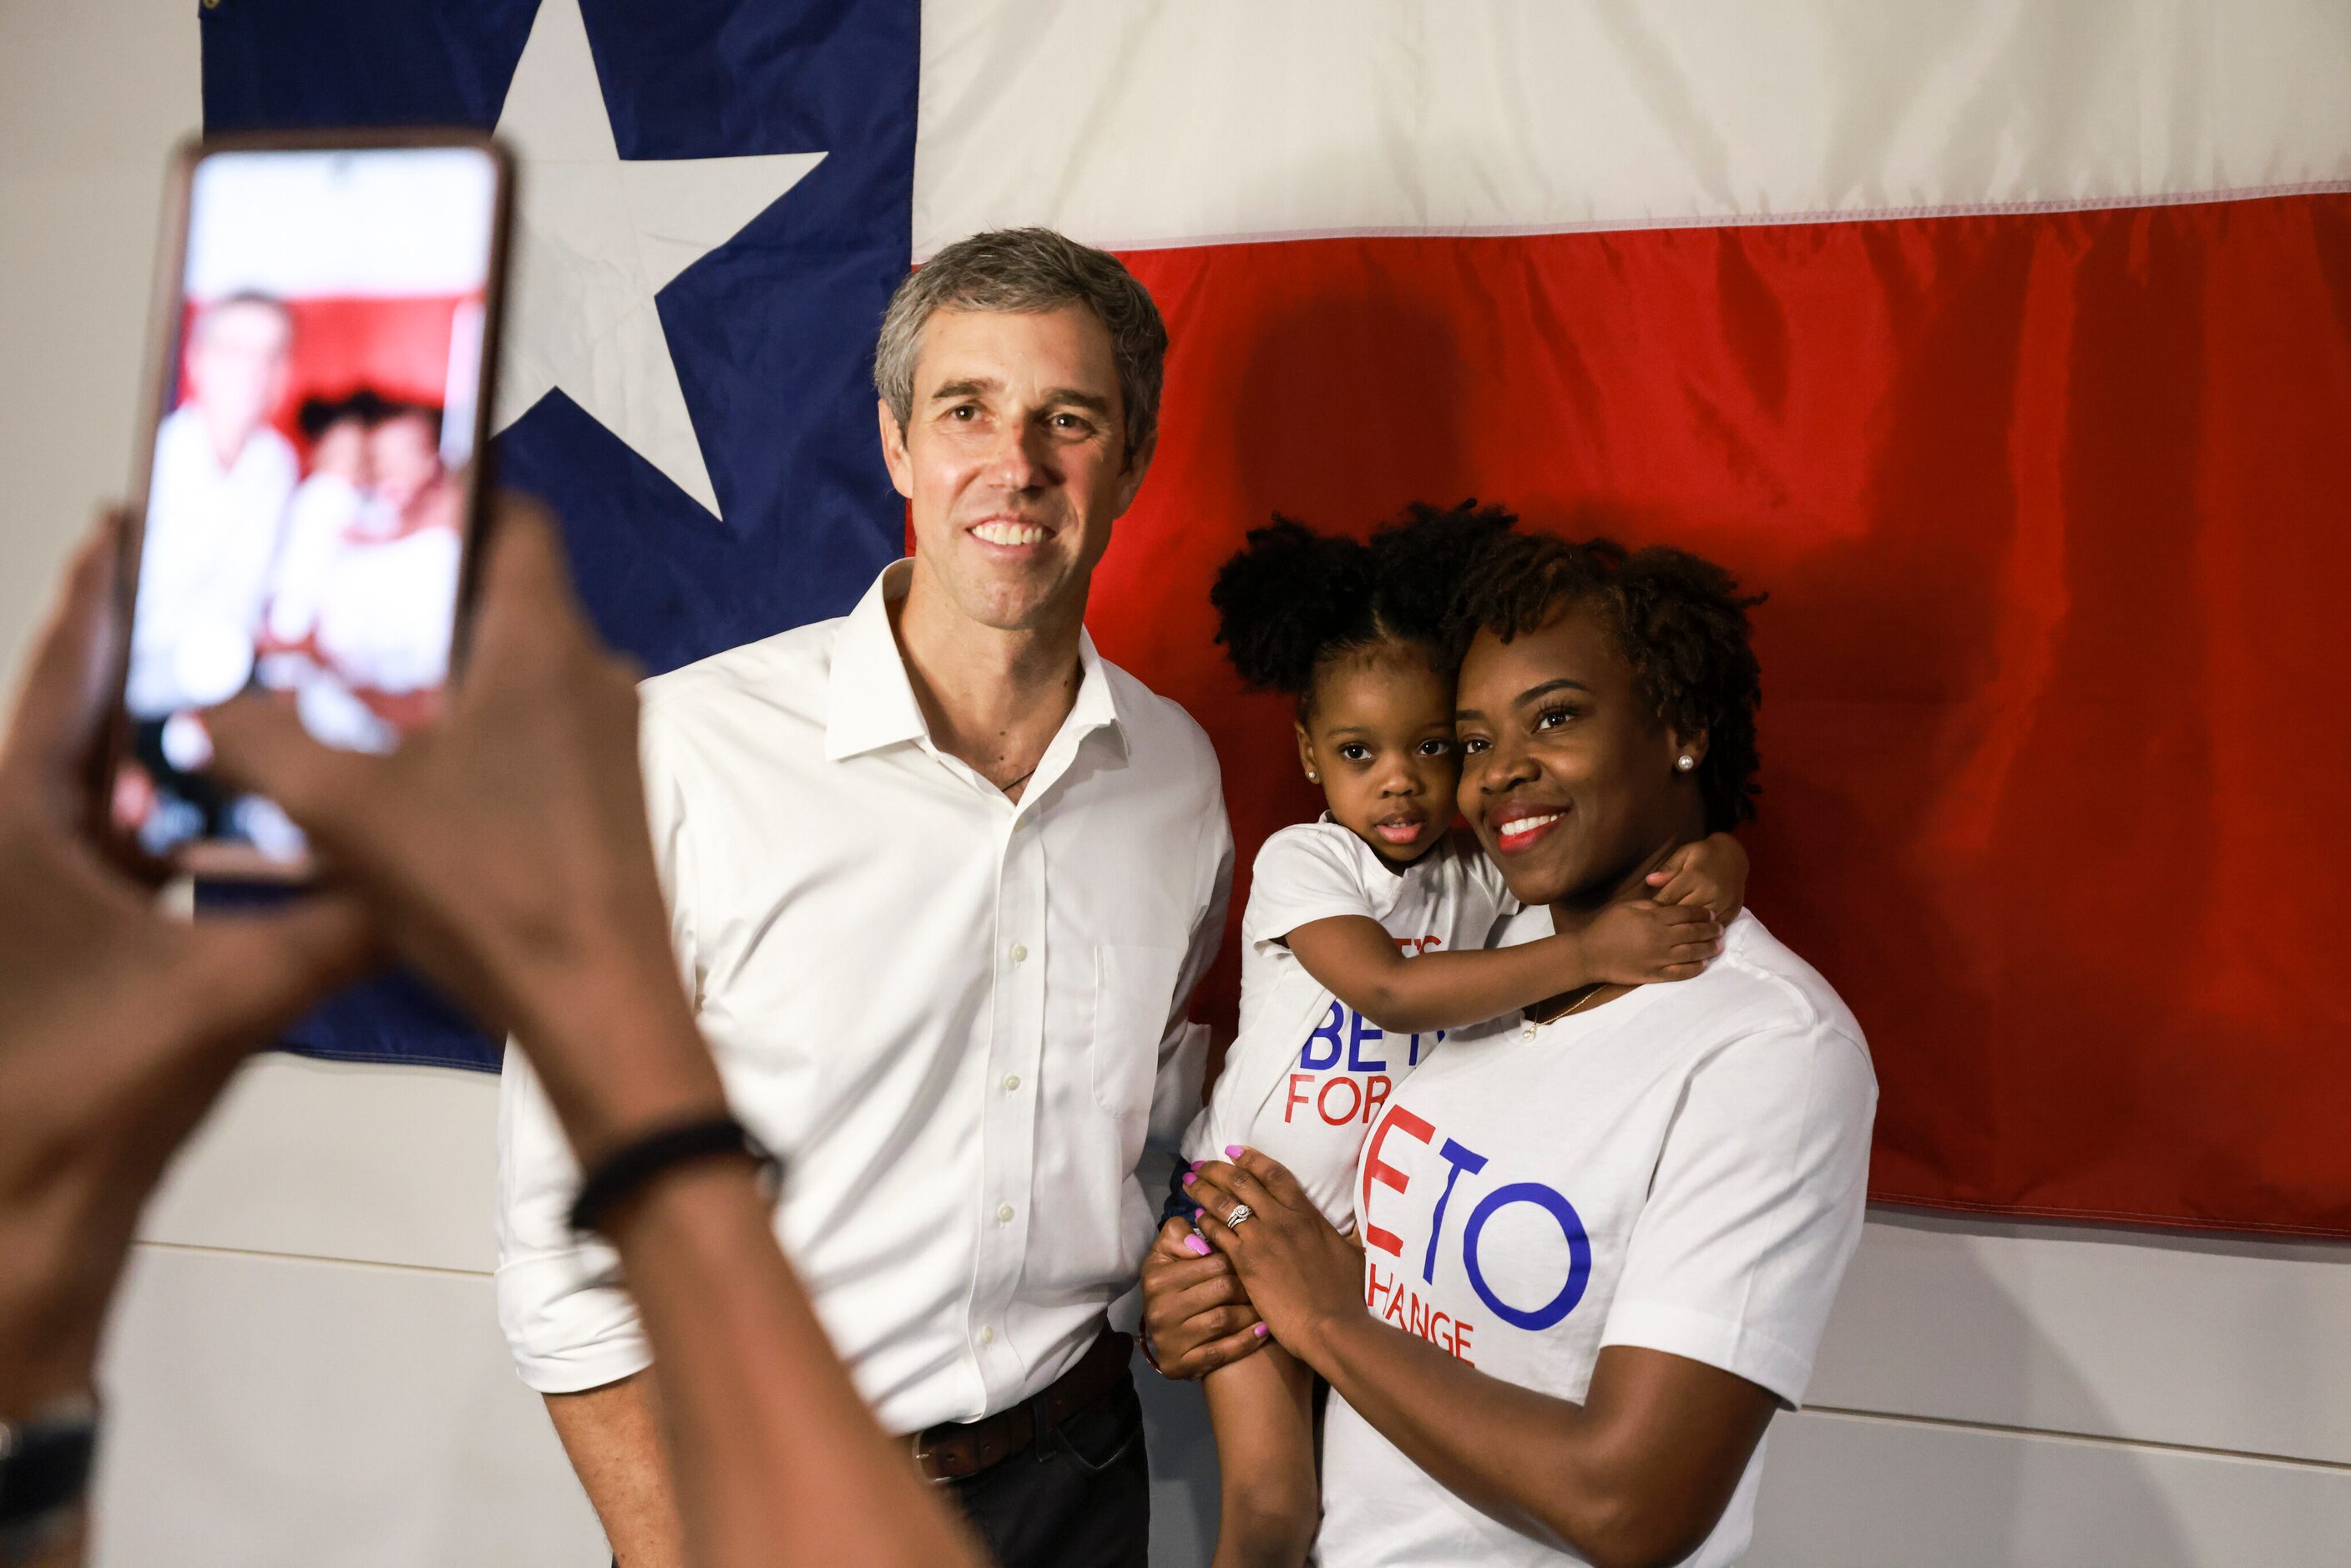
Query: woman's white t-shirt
point(1681, 1168)
point(1307, 1075)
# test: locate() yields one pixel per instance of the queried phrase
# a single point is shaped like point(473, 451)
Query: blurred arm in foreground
point(503, 850)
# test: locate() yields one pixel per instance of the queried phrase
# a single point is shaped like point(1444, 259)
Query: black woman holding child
point(1577, 1239)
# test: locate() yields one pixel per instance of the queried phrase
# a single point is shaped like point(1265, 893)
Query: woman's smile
point(1520, 824)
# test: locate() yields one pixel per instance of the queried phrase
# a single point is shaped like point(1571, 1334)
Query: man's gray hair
point(1029, 270)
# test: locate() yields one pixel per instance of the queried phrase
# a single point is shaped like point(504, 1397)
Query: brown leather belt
point(953, 1450)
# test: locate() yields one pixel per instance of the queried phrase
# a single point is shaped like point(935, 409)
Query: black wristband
point(45, 1465)
point(626, 1171)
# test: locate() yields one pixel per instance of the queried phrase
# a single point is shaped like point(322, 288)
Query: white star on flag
point(595, 237)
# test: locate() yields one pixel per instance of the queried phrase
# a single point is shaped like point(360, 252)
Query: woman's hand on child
point(1636, 943)
point(1196, 1315)
point(1711, 872)
point(1300, 1272)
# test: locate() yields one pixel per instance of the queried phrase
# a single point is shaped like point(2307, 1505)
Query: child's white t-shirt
point(1680, 1169)
point(1307, 1075)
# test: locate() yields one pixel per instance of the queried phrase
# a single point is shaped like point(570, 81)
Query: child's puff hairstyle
point(1292, 599)
point(1680, 621)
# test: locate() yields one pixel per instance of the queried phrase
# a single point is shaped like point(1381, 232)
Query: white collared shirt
point(958, 1015)
point(209, 541)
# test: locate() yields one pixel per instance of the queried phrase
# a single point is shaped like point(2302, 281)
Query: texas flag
point(2007, 347)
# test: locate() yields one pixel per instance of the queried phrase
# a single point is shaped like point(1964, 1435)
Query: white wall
point(305, 1369)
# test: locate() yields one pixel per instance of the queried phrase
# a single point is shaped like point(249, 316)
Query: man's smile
point(1010, 533)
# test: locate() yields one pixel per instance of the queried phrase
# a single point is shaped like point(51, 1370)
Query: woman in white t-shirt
point(1598, 1246)
point(1365, 933)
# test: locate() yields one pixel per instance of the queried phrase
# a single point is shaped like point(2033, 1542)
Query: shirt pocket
point(1135, 992)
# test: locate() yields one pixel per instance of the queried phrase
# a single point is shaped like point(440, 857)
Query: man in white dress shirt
point(216, 502)
point(941, 882)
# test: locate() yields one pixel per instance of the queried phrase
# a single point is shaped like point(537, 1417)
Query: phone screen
point(309, 495)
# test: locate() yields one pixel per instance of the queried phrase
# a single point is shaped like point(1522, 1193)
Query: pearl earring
point(1312, 777)
point(1686, 762)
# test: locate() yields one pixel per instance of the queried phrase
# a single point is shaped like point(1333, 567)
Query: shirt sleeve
point(1184, 1045)
point(1302, 875)
point(673, 860)
point(568, 1321)
point(1755, 1208)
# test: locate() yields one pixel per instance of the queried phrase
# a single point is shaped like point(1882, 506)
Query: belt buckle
point(915, 1446)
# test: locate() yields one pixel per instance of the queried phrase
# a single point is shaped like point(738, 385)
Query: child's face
point(342, 450)
point(1379, 740)
point(405, 459)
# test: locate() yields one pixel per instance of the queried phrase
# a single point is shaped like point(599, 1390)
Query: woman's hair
point(1294, 599)
point(1680, 621)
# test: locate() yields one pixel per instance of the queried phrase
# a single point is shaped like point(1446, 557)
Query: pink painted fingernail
point(1189, 1179)
point(1260, 1330)
point(1232, 1151)
point(1197, 1243)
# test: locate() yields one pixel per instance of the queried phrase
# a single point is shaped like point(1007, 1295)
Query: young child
point(1365, 937)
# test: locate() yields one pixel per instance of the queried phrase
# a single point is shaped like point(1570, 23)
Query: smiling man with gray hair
point(941, 881)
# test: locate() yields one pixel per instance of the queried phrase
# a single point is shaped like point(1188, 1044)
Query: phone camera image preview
point(305, 514)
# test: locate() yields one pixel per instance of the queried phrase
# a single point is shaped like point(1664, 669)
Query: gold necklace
point(1591, 993)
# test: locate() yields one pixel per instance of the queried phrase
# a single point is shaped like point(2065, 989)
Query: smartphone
point(310, 467)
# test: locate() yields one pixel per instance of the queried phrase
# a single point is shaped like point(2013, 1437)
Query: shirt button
point(1019, 952)
point(1003, 1214)
point(1527, 1030)
point(987, 1334)
point(1011, 1081)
